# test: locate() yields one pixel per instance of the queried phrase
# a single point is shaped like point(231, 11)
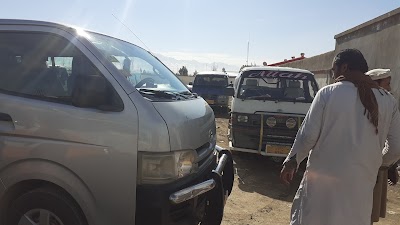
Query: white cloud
point(176, 61)
point(205, 61)
point(206, 57)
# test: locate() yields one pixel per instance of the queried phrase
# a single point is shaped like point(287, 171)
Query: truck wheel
point(44, 206)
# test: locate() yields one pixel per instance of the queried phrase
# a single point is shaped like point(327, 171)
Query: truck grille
point(247, 135)
point(208, 96)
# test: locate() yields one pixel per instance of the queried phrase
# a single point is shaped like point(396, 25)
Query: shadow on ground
point(260, 174)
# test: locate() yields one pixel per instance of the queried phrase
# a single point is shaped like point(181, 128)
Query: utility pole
point(248, 47)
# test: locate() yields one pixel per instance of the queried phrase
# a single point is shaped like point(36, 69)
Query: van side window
point(41, 66)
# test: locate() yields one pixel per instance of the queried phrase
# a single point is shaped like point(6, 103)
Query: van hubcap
point(40, 217)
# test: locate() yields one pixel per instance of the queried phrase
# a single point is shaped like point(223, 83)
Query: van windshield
point(142, 69)
point(211, 80)
point(277, 86)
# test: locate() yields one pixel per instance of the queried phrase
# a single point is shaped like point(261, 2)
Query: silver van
point(95, 130)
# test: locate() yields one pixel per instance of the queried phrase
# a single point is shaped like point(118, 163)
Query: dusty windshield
point(212, 80)
point(141, 68)
point(277, 86)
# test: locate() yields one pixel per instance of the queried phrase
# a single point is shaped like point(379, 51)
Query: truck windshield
point(142, 69)
point(213, 80)
point(277, 86)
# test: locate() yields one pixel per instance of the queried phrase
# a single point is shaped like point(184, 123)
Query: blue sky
point(212, 30)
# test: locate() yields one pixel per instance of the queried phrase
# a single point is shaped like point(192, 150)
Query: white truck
point(268, 108)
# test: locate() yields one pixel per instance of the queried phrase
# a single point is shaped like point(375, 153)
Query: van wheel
point(44, 206)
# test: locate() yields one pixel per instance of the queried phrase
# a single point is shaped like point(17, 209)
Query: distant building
point(293, 59)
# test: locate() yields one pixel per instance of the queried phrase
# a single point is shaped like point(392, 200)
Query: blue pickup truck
point(214, 87)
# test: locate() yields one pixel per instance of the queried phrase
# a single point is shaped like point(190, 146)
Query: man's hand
point(287, 174)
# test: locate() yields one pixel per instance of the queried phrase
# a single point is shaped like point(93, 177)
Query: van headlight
point(161, 168)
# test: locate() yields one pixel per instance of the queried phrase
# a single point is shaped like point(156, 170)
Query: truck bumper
point(255, 151)
point(200, 197)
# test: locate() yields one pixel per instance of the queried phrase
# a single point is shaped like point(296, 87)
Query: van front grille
point(205, 154)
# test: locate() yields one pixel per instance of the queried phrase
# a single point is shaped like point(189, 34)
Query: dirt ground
point(259, 197)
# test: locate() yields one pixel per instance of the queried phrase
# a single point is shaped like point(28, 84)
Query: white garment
point(337, 187)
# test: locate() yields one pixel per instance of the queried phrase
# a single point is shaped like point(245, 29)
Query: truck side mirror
point(90, 91)
point(229, 91)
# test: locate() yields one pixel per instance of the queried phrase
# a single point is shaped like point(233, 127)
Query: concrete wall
point(379, 41)
point(320, 65)
point(186, 79)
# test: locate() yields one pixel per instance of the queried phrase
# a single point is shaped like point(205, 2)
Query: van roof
point(34, 22)
point(61, 26)
point(276, 68)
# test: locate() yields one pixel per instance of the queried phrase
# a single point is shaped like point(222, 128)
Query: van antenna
point(131, 32)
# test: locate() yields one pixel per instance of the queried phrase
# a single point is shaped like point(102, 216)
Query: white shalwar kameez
point(345, 154)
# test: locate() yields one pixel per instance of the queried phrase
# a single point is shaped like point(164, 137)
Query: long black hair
point(353, 58)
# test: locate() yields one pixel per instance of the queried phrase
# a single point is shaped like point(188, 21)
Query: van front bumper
point(200, 197)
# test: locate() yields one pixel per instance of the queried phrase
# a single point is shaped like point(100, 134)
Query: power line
point(131, 32)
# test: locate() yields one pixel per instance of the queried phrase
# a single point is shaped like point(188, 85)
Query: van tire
point(50, 201)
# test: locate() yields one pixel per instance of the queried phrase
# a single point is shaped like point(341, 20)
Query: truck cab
point(214, 87)
point(268, 108)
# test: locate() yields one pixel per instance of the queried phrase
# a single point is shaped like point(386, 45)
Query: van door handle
point(5, 117)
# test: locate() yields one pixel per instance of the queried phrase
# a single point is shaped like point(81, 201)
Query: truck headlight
point(161, 168)
point(242, 119)
point(291, 123)
point(271, 121)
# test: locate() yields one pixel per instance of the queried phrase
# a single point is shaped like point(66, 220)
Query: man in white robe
point(343, 135)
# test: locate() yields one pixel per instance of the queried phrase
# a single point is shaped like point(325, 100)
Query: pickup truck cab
point(214, 87)
point(95, 130)
point(268, 108)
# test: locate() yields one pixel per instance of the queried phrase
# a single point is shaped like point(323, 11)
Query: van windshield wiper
point(162, 94)
point(188, 93)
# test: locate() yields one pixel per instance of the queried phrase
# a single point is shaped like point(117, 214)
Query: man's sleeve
point(393, 140)
point(309, 131)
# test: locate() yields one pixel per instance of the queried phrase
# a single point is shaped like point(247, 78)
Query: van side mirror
point(90, 91)
point(190, 83)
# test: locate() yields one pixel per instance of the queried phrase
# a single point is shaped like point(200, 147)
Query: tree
point(183, 71)
point(195, 73)
point(223, 70)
